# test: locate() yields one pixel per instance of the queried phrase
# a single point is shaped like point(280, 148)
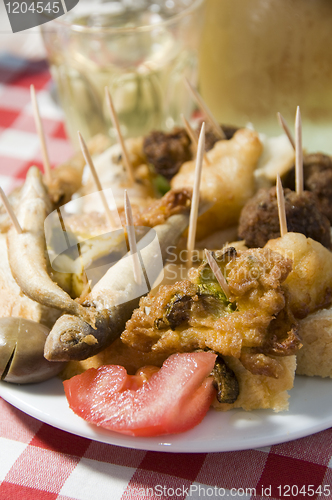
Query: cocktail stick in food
point(298, 153)
point(90, 163)
point(281, 207)
point(285, 128)
point(116, 124)
point(195, 198)
point(10, 211)
point(114, 299)
point(193, 137)
point(218, 274)
point(41, 134)
point(26, 250)
point(203, 106)
point(132, 239)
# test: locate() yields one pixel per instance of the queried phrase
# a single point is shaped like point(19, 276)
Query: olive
point(22, 352)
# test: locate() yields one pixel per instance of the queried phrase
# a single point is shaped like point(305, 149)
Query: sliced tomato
point(174, 398)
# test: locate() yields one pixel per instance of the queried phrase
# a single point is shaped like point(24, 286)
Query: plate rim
point(166, 443)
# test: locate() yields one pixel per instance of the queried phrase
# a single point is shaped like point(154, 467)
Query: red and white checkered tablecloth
point(39, 462)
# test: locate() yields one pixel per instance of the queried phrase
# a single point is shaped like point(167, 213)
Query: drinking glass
point(259, 57)
point(140, 49)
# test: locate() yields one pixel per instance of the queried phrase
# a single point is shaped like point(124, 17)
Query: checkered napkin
point(39, 462)
point(19, 144)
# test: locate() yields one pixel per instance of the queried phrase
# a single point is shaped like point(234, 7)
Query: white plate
point(310, 411)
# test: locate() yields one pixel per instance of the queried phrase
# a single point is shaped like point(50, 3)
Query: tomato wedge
point(174, 399)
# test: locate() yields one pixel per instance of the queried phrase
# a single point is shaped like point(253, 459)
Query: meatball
point(317, 173)
point(259, 220)
point(167, 151)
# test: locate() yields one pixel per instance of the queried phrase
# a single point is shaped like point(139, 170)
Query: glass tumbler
point(140, 49)
point(259, 57)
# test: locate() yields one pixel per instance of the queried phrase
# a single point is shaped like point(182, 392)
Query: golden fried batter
point(227, 182)
point(194, 314)
point(309, 285)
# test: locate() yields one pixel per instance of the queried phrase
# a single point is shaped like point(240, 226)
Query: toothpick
point(193, 137)
point(298, 153)
point(41, 134)
point(218, 274)
point(203, 106)
point(281, 207)
point(116, 124)
point(132, 238)
point(190, 131)
point(10, 211)
point(89, 161)
point(195, 197)
point(285, 127)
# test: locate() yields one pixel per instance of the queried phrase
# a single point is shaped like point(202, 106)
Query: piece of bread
point(315, 357)
point(259, 391)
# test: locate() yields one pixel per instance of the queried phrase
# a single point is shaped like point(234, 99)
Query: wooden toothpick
point(218, 274)
point(132, 238)
point(41, 135)
point(89, 162)
point(203, 106)
point(298, 153)
point(195, 197)
point(10, 211)
point(193, 137)
point(281, 207)
point(116, 124)
point(285, 128)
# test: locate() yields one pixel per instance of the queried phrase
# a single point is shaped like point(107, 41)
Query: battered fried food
point(13, 302)
point(309, 285)
point(261, 392)
point(195, 314)
point(228, 181)
point(113, 299)
point(315, 358)
point(26, 251)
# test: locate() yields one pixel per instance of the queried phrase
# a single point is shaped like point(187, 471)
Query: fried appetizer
point(13, 302)
point(309, 285)
point(317, 173)
point(315, 358)
point(252, 330)
point(259, 391)
point(67, 178)
point(227, 182)
point(112, 299)
point(112, 174)
point(27, 251)
point(259, 220)
point(166, 152)
point(277, 158)
point(251, 325)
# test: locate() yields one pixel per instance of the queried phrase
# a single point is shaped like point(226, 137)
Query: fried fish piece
point(113, 299)
point(13, 302)
point(228, 181)
point(26, 251)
